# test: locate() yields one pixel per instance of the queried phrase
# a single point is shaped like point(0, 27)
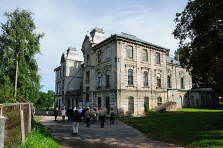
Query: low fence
point(44, 113)
point(17, 118)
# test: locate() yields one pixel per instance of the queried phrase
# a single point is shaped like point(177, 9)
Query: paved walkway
point(116, 136)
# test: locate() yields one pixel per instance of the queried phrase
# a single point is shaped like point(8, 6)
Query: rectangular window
point(130, 77)
point(99, 56)
point(99, 83)
point(64, 73)
point(157, 57)
point(182, 83)
point(87, 59)
point(145, 55)
point(87, 77)
point(99, 101)
point(107, 80)
point(168, 81)
point(130, 52)
point(87, 94)
point(159, 101)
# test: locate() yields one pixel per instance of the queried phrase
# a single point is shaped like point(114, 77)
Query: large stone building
point(121, 72)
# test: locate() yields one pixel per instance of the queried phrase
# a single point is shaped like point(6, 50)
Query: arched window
point(182, 83)
point(145, 55)
point(130, 77)
point(145, 78)
point(169, 82)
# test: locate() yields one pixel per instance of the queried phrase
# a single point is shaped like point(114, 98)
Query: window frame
point(130, 76)
point(158, 81)
point(87, 77)
point(145, 55)
point(145, 79)
point(107, 79)
point(182, 85)
point(129, 52)
point(169, 82)
point(157, 58)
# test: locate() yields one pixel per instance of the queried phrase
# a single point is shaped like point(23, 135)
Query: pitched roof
point(135, 38)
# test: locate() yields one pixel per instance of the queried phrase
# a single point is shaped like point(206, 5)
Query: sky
point(66, 22)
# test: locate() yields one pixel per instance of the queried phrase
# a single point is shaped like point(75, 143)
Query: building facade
point(127, 74)
point(68, 79)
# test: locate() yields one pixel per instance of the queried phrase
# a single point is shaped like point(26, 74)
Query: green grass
point(39, 138)
point(185, 127)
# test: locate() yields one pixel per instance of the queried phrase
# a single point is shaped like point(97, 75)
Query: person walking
point(112, 116)
point(77, 120)
point(56, 112)
point(87, 117)
point(63, 113)
point(102, 117)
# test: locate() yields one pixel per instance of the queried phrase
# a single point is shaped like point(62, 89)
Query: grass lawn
point(185, 127)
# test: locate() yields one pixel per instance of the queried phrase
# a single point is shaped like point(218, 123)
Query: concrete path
point(116, 136)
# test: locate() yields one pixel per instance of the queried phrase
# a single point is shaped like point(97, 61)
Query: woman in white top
point(63, 113)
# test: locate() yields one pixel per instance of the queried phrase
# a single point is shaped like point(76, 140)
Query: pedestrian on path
point(87, 117)
point(56, 112)
point(77, 120)
point(112, 117)
point(102, 116)
point(63, 113)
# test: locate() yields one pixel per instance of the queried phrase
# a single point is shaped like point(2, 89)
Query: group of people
point(88, 115)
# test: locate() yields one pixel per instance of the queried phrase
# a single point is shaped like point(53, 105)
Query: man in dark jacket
point(77, 120)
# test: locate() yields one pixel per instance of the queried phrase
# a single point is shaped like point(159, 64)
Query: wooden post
point(22, 124)
point(2, 131)
point(1, 111)
point(30, 117)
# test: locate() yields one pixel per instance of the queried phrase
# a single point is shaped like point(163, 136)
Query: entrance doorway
point(146, 104)
point(107, 104)
point(131, 105)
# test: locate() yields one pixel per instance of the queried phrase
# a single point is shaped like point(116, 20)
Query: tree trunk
point(16, 74)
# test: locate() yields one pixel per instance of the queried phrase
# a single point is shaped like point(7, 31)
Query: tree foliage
point(199, 29)
point(45, 100)
point(18, 36)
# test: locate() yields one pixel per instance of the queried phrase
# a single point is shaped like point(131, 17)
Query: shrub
point(39, 138)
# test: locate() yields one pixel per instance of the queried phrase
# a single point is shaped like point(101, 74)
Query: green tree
point(19, 43)
point(199, 29)
point(45, 100)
